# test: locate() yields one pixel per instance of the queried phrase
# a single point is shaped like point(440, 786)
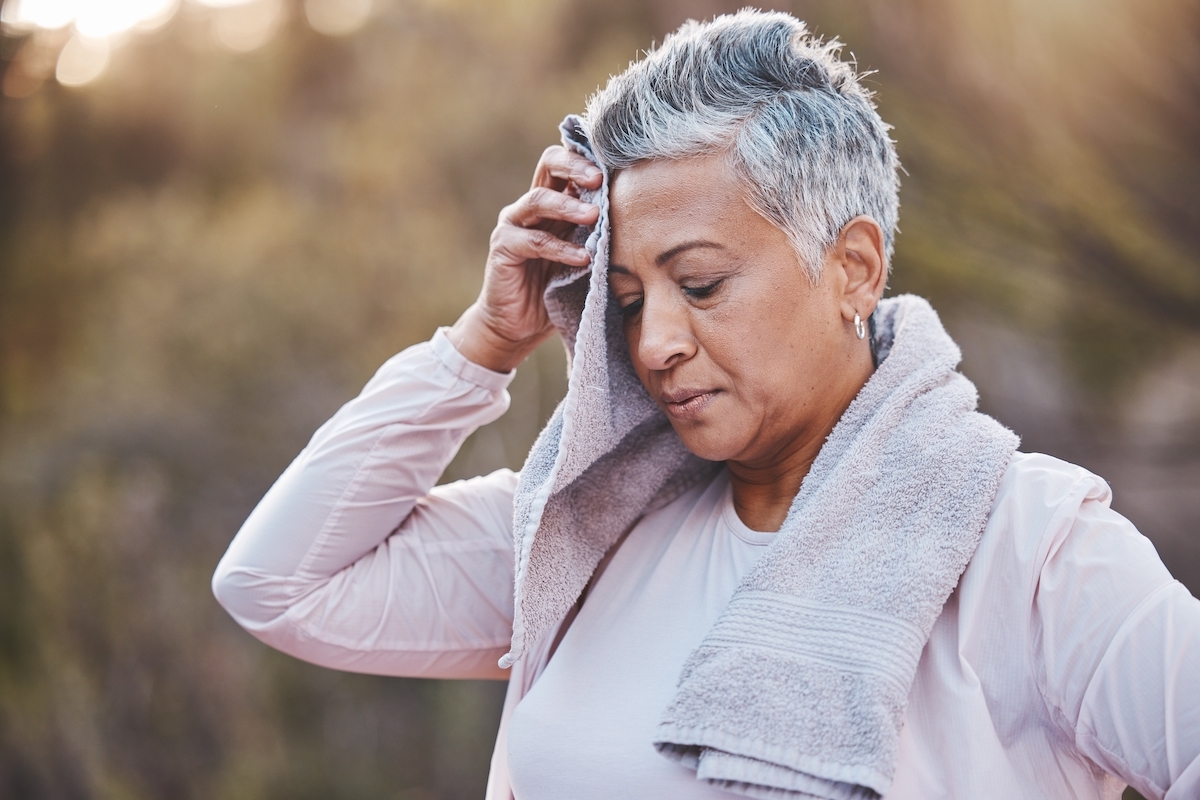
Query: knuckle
point(507, 213)
point(501, 241)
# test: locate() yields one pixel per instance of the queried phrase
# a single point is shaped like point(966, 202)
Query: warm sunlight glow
point(98, 19)
point(23, 15)
point(95, 19)
point(74, 40)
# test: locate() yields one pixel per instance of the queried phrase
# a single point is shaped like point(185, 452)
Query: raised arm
point(353, 559)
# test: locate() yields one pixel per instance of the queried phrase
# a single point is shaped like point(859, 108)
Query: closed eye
point(631, 307)
point(701, 292)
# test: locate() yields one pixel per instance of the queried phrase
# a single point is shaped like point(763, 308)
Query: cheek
point(744, 339)
point(769, 351)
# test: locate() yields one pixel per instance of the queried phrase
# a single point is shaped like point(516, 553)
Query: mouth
point(686, 403)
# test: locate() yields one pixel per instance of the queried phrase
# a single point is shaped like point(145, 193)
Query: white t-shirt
point(1067, 654)
point(618, 663)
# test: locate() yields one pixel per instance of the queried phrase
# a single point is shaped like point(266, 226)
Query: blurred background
point(218, 217)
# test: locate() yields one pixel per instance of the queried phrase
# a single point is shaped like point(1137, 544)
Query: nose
point(664, 337)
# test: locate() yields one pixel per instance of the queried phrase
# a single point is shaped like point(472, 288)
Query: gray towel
point(606, 452)
point(799, 689)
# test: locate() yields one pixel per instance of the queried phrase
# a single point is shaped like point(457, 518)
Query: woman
point(766, 534)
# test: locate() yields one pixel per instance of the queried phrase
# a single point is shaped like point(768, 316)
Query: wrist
point(481, 344)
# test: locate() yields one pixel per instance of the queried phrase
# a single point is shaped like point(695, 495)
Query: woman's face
point(746, 356)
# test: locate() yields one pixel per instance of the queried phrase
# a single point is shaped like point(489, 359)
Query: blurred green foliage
point(203, 254)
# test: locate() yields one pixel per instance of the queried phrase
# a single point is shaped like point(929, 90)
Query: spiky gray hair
point(797, 125)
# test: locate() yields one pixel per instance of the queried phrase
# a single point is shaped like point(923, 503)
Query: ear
point(860, 264)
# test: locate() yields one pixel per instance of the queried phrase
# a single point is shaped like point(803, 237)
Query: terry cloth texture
point(799, 690)
point(606, 452)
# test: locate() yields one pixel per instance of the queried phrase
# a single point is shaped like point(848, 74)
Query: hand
point(528, 246)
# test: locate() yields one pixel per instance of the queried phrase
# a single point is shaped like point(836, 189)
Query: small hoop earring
point(860, 330)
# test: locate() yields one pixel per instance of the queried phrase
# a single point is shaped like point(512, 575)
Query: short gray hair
point(799, 128)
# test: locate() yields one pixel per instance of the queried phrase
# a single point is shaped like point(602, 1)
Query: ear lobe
point(865, 264)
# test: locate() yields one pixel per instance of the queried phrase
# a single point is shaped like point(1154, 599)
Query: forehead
point(658, 205)
point(676, 188)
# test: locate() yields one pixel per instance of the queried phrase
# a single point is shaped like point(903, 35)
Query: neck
point(763, 488)
point(762, 494)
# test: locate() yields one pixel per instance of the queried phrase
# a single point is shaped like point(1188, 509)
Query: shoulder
point(1051, 526)
point(1053, 542)
point(1037, 485)
point(1035, 507)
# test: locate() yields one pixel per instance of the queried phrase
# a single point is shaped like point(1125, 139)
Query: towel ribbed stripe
point(855, 640)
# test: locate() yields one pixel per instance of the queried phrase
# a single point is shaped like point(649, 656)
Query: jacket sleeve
point(354, 560)
point(1118, 653)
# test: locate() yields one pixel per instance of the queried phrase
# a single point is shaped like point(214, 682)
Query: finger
point(518, 245)
point(540, 205)
point(558, 165)
point(515, 245)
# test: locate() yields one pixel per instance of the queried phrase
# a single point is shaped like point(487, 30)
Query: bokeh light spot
point(248, 26)
point(223, 3)
point(82, 60)
point(337, 17)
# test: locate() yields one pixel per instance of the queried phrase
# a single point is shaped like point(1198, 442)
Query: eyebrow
point(664, 257)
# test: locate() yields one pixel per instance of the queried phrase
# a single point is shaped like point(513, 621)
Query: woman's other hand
point(527, 247)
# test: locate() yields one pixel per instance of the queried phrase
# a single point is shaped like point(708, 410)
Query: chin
point(703, 441)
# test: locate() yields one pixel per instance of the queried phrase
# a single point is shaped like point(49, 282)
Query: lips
point(686, 403)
